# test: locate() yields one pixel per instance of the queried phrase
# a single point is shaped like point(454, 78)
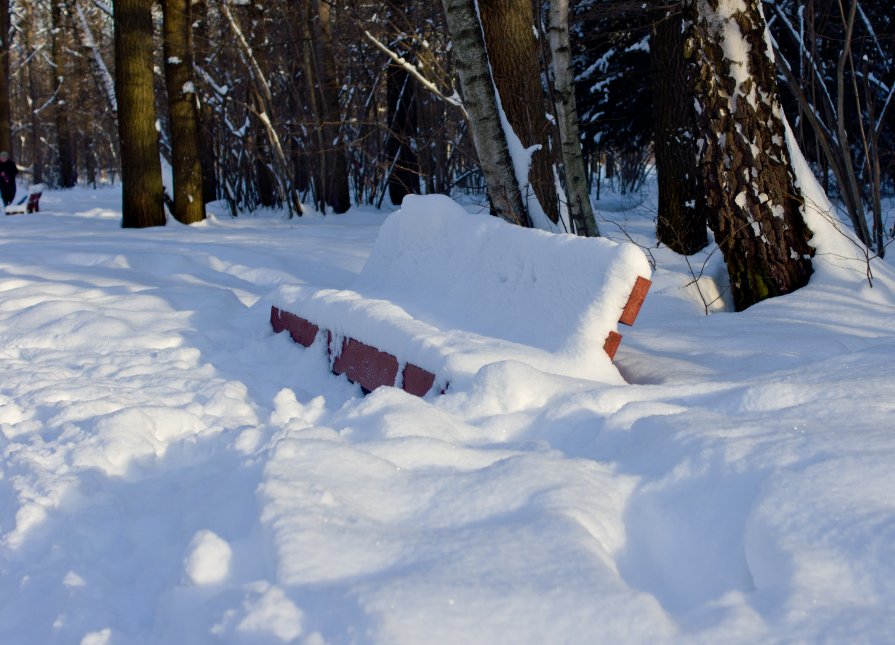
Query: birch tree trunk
point(757, 210)
point(98, 65)
point(141, 174)
point(484, 117)
point(189, 207)
point(581, 212)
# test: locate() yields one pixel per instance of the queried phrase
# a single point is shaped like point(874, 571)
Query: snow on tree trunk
point(141, 174)
point(97, 62)
point(756, 210)
point(513, 53)
point(468, 46)
point(580, 210)
point(189, 206)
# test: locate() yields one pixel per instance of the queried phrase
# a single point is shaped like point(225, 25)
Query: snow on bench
point(28, 204)
point(445, 292)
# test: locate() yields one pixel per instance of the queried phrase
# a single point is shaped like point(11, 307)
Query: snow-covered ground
point(173, 472)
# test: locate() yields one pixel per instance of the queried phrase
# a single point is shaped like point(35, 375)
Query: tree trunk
point(67, 175)
point(581, 212)
point(141, 174)
point(189, 206)
point(513, 53)
point(5, 112)
point(683, 215)
point(756, 208)
point(484, 117)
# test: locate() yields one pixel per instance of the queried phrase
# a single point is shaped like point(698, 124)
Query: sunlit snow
point(174, 472)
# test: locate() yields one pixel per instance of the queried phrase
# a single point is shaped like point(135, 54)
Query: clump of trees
point(336, 102)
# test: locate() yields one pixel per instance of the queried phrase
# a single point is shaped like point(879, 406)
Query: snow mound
point(208, 561)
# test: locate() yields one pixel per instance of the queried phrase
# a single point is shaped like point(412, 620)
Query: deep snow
point(173, 472)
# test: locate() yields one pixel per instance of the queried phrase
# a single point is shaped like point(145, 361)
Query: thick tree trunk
point(66, 170)
point(5, 112)
point(683, 215)
point(513, 53)
point(484, 117)
point(757, 210)
point(189, 206)
point(141, 174)
point(581, 212)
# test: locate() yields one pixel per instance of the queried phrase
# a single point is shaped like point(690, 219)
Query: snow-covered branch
point(411, 69)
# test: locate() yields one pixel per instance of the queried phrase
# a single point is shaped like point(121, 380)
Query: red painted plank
point(365, 365)
point(417, 380)
point(302, 331)
point(635, 301)
point(276, 319)
point(613, 340)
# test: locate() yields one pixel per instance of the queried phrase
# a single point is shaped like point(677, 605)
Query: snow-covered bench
point(445, 292)
point(28, 204)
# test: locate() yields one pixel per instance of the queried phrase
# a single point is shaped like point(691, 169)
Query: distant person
point(8, 172)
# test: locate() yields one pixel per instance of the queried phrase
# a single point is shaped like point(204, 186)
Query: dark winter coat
point(8, 172)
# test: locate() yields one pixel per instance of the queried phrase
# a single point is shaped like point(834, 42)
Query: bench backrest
point(477, 273)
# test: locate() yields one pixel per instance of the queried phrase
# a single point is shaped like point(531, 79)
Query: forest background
point(279, 104)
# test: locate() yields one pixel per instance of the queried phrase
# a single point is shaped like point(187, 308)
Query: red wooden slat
point(365, 365)
point(417, 380)
point(302, 331)
point(635, 301)
point(613, 340)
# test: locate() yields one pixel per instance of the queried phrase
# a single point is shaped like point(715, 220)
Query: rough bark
point(581, 212)
point(186, 167)
point(141, 175)
point(490, 140)
point(513, 53)
point(66, 169)
point(756, 208)
point(682, 217)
